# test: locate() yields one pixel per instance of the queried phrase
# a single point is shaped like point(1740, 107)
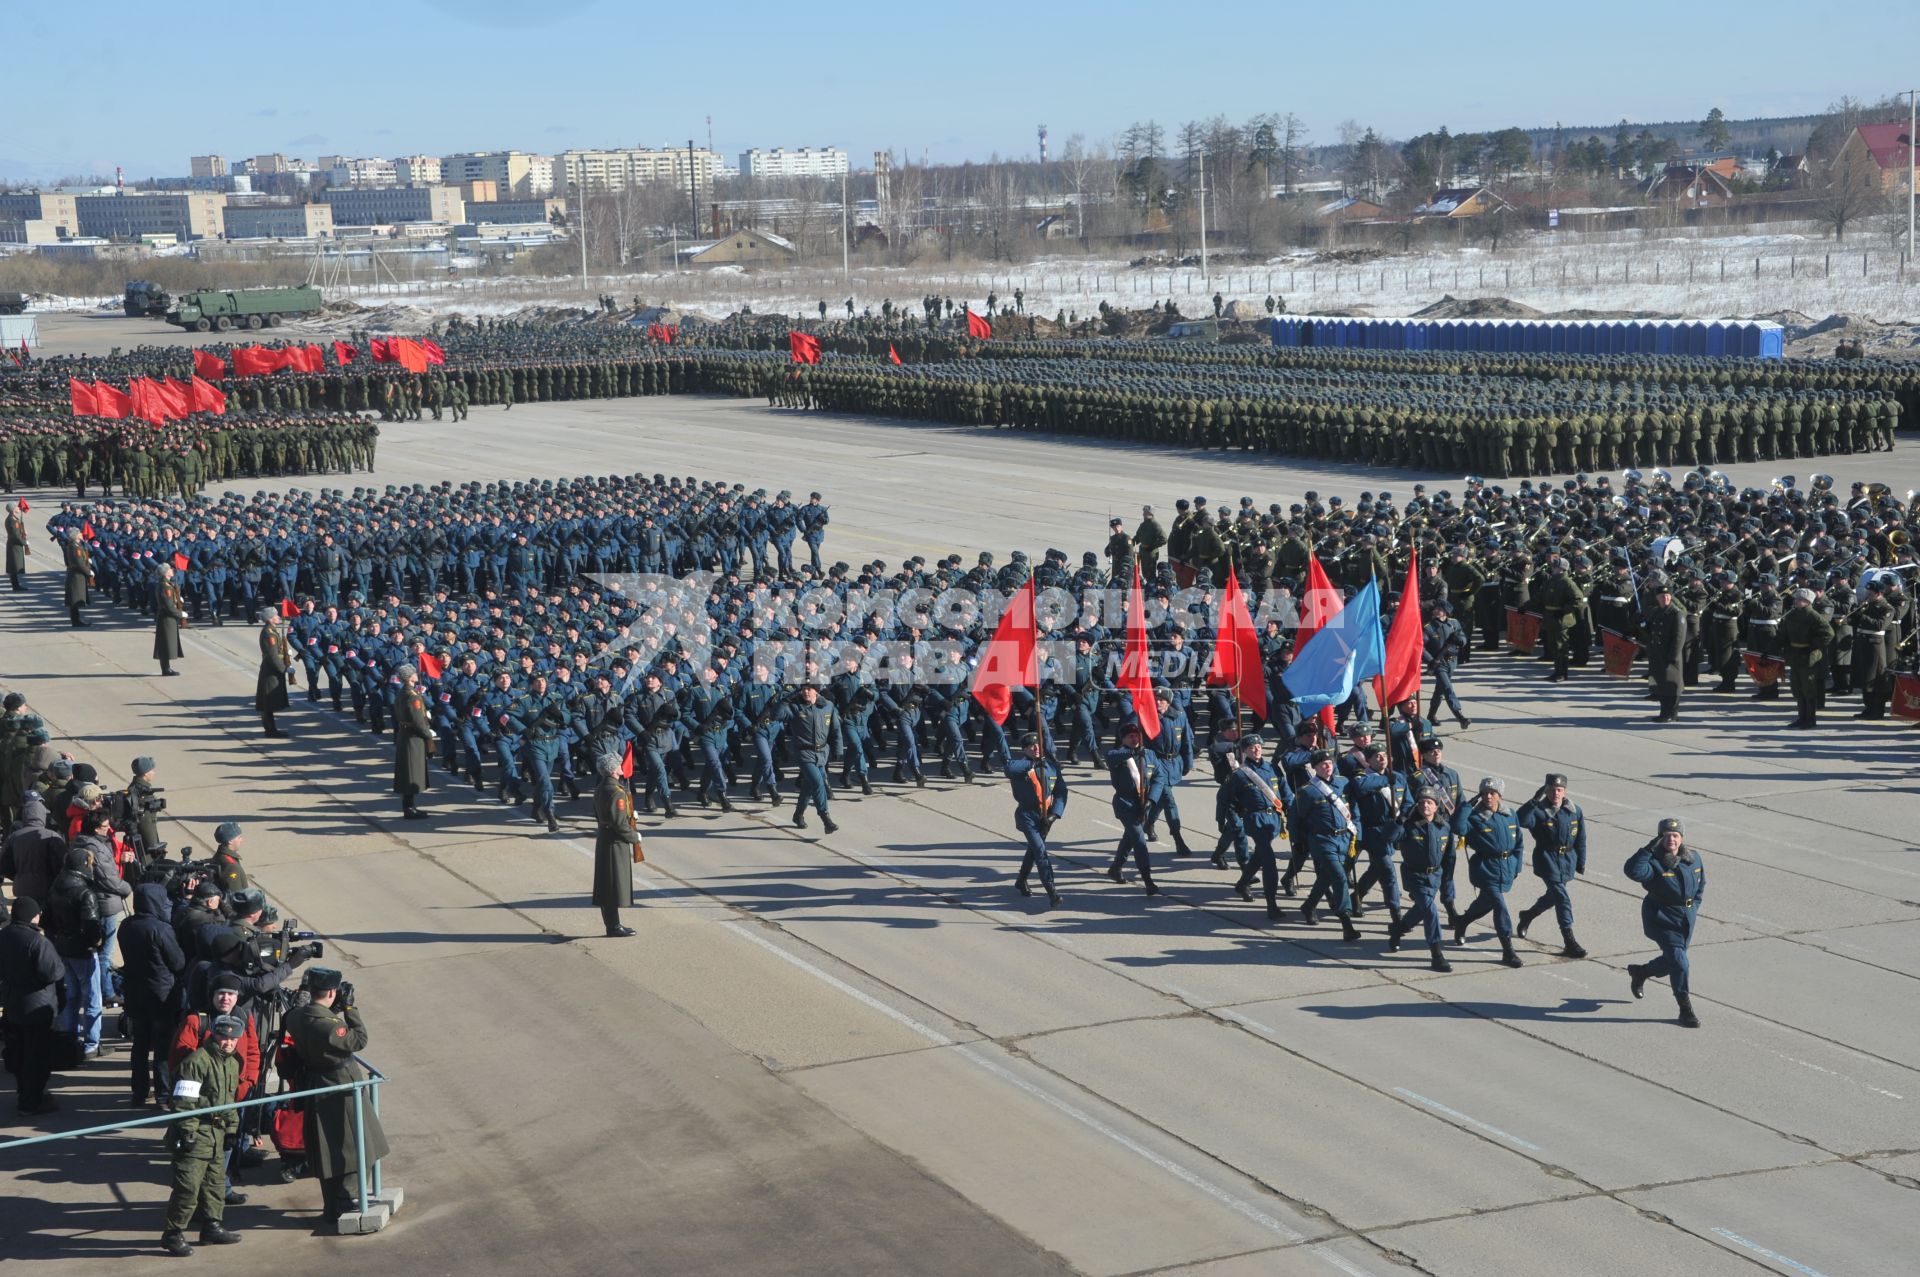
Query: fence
point(377, 1203)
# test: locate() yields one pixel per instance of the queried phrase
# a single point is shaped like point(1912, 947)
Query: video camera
point(173, 874)
point(288, 945)
point(127, 808)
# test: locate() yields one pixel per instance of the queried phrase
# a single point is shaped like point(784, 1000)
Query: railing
point(366, 1092)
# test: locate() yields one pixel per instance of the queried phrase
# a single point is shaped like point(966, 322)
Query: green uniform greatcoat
point(270, 688)
point(169, 614)
point(412, 741)
point(613, 844)
point(205, 1079)
point(326, 1040)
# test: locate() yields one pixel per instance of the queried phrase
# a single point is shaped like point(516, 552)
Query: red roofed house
point(1890, 149)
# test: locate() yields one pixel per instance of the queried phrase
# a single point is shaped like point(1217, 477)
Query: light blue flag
point(1348, 650)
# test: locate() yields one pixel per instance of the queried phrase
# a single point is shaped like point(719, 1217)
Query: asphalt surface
point(865, 1053)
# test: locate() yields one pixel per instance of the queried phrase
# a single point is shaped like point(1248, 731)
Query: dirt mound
point(1451, 307)
point(1810, 340)
point(1349, 256)
point(1581, 312)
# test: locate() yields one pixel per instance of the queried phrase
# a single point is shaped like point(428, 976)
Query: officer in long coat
point(79, 576)
point(17, 547)
point(1664, 632)
point(616, 844)
point(325, 1037)
point(1675, 880)
point(1806, 635)
point(413, 738)
point(276, 661)
point(169, 617)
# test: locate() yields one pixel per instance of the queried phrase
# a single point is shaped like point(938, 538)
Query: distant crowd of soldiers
point(181, 457)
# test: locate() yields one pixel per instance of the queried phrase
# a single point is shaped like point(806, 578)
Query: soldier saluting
point(1675, 880)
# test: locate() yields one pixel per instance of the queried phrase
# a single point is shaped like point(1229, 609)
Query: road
point(864, 1053)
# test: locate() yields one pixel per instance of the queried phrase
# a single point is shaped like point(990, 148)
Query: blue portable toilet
point(1696, 339)
point(1663, 342)
point(1716, 340)
point(1773, 341)
point(1619, 338)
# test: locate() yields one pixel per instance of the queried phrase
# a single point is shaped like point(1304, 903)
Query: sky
point(116, 83)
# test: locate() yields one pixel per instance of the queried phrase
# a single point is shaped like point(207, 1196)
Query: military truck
point(144, 300)
point(13, 304)
point(207, 308)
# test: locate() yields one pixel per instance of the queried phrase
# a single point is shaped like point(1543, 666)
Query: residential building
point(616, 170)
point(481, 212)
point(808, 161)
point(207, 166)
point(349, 172)
point(1689, 186)
point(1892, 157)
point(275, 163)
point(55, 207)
point(1461, 202)
point(478, 192)
point(745, 248)
point(517, 174)
point(417, 170)
point(32, 230)
point(136, 214)
point(382, 206)
point(279, 221)
point(1349, 208)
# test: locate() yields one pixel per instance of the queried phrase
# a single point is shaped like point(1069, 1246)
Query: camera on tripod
point(288, 945)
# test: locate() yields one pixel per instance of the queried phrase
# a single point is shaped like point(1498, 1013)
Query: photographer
point(151, 966)
point(30, 974)
point(196, 916)
point(33, 855)
point(325, 1034)
point(144, 805)
point(73, 924)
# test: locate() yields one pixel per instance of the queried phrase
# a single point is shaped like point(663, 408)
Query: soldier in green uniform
point(207, 1078)
point(169, 618)
point(325, 1034)
point(1805, 635)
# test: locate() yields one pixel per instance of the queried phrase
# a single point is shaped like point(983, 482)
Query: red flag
point(25, 354)
point(343, 354)
point(209, 365)
point(977, 326)
point(181, 562)
point(306, 359)
point(433, 352)
point(80, 398)
point(379, 348)
point(1011, 657)
point(111, 401)
point(431, 666)
point(626, 763)
point(207, 397)
point(148, 405)
point(1135, 680)
point(407, 353)
point(289, 609)
point(258, 361)
point(673, 333)
point(892, 354)
point(805, 348)
point(1236, 653)
point(1406, 643)
point(86, 530)
point(178, 396)
point(1318, 605)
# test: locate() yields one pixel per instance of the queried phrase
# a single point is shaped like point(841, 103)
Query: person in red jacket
point(194, 1028)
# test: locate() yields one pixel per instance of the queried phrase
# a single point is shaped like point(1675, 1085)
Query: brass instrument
point(1784, 483)
point(1879, 491)
point(1822, 483)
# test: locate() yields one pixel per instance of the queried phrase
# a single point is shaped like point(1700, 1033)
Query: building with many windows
point(207, 166)
point(384, 205)
point(516, 174)
point(808, 161)
point(138, 214)
point(351, 172)
point(529, 212)
point(279, 221)
point(417, 170)
point(616, 170)
point(56, 208)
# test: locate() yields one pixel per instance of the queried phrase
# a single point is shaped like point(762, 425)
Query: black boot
point(1053, 898)
point(1348, 931)
point(826, 823)
point(1688, 1020)
point(1638, 975)
point(1573, 948)
point(1527, 916)
point(1307, 916)
point(866, 786)
point(1437, 961)
point(214, 1233)
point(1114, 872)
point(1219, 860)
point(1287, 887)
point(175, 1244)
point(1453, 915)
point(1020, 885)
point(1393, 937)
point(1273, 912)
point(1507, 955)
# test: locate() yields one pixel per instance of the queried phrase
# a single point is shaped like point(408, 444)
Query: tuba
point(1822, 484)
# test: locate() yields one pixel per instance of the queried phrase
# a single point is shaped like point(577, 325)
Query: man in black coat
point(31, 973)
point(151, 965)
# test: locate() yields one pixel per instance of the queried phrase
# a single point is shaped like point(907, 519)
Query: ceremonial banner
point(1619, 652)
point(1523, 631)
point(1906, 696)
point(1765, 671)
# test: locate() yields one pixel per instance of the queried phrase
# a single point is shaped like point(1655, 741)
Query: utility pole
point(693, 190)
point(580, 228)
point(1205, 274)
point(1913, 138)
point(846, 262)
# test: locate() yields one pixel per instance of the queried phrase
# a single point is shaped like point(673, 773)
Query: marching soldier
point(1330, 830)
point(1132, 772)
point(810, 725)
point(1258, 798)
point(1423, 843)
point(1040, 799)
point(1675, 881)
point(1493, 863)
point(1559, 830)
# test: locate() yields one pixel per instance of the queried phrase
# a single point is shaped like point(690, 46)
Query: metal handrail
point(370, 1083)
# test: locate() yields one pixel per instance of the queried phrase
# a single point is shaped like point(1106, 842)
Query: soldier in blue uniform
point(1173, 751)
point(810, 724)
point(1493, 862)
point(1445, 645)
point(1379, 800)
point(1675, 880)
point(1132, 770)
point(812, 519)
point(1443, 782)
point(1329, 828)
point(1559, 830)
point(496, 713)
point(760, 702)
point(1258, 797)
point(650, 719)
point(711, 713)
point(1422, 843)
point(541, 716)
point(902, 698)
point(1040, 799)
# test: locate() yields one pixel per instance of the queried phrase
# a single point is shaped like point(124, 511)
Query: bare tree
point(1852, 191)
point(1293, 142)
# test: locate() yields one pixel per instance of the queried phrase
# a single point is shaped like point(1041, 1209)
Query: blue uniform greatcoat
point(1559, 852)
point(1493, 863)
point(1670, 908)
point(1135, 774)
point(1257, 797)
point(1329, 836)
point(1423, 847)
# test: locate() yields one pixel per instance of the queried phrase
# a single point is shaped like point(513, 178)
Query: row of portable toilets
point(1719, 339)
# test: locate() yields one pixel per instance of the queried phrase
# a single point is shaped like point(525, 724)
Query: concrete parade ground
point(864, 1053)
